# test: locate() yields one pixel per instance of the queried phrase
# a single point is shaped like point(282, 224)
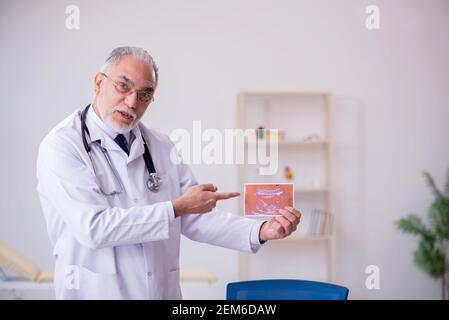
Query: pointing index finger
point(226, 195)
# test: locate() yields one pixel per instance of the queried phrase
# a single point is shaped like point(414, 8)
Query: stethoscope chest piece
point(154, 182)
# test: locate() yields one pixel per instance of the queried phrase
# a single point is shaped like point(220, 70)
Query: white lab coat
point(125, 246)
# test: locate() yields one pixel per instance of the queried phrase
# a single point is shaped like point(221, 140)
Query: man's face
point(118, 107)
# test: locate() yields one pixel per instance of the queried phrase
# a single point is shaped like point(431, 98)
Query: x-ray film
point(265, 199)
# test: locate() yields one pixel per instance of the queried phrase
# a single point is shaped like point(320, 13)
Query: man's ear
point(98, 79)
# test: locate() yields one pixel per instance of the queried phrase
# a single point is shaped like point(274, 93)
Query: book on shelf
point(320, 223)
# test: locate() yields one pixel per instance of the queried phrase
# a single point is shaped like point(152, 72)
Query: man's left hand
point(280, 226)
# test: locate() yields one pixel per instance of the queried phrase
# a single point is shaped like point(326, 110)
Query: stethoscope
point(154, 181)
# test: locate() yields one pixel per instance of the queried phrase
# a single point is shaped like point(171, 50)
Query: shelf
point(312, 190)
point(298, 143)
point(306, 238)
point(283, 94)
point(304, 141)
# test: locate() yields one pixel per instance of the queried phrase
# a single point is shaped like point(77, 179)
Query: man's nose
point(131, 100)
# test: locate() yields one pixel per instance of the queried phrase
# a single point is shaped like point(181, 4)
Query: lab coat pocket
point(94, 285)
point(102, 261)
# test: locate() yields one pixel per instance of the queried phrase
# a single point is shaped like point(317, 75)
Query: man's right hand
point(200, 198)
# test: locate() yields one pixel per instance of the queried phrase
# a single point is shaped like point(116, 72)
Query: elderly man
point(115, 202)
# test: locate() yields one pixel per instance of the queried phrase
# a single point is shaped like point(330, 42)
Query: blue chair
point(285, 290)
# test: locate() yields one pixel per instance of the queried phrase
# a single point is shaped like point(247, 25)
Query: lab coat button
point(135, 199)
point(149, 274)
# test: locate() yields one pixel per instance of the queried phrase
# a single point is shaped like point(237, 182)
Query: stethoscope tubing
point(153, 182)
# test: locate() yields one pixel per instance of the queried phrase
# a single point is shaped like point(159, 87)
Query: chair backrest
point(284, 289)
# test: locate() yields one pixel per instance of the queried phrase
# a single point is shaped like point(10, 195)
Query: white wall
point(207, 52)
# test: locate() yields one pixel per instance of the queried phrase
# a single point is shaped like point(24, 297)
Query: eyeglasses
point(123, 87)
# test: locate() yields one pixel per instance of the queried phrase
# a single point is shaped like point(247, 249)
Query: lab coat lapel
point(97, 133)
point(136, 149)
point(153, 144)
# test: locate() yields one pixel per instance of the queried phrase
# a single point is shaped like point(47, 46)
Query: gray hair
point(136, 52)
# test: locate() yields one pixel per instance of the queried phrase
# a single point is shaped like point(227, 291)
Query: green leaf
point(446, 189)
point(430, 259)
point(432, 185)
point(439, 217)
point(412, 224)
point(430, 255)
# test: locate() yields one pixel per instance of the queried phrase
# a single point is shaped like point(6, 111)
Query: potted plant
point(432, 252)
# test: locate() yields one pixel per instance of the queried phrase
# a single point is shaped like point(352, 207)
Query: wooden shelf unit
point(262, 108)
